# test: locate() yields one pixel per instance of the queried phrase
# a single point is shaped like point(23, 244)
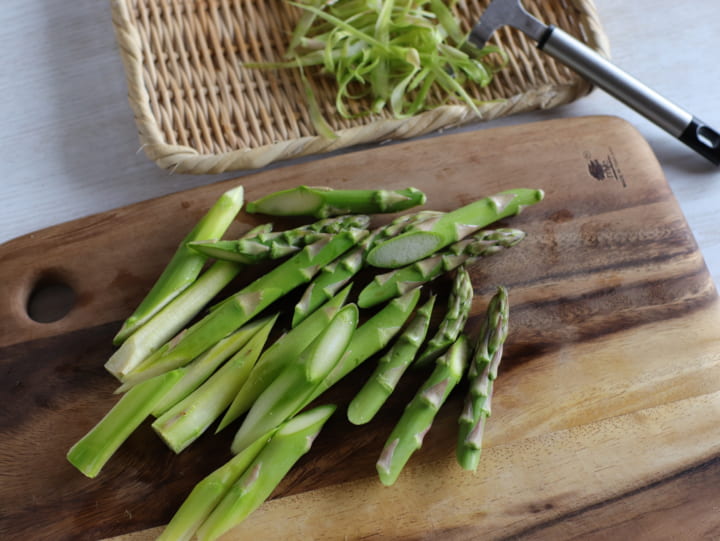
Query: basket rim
point(186, 159)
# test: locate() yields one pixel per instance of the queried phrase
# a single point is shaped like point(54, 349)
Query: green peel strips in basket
point(394, 52)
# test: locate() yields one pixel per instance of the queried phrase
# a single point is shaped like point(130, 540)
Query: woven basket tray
point(198, 110)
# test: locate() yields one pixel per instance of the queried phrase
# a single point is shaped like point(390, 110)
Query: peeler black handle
point(673, 119)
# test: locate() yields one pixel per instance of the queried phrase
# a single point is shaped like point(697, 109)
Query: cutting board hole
point(50, 300)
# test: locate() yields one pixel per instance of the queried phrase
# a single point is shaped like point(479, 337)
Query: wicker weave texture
point(199, 110)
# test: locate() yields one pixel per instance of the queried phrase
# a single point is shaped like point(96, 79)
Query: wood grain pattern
point(605, 416)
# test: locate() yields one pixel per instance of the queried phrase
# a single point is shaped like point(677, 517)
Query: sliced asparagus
point(188, 419)
point(247, 303)
point(483, 372)
point(321, 202)
point(94, 449)
point(371, 337)
point(391, 367)
point(432, 235)
point(459, 305)
point(186, 264)
point(199, 370)
point(408, 434)
point(396, 282)
point(289, 391)
point(268, 244)
point(289, 443)
point(208, 493)
point(280, 354)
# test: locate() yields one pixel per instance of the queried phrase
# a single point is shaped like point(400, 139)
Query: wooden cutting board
point(605, 415)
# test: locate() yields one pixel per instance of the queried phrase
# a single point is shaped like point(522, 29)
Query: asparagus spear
point(289, 443)
point(200, 369)
point(288, 392)
point(208, 493)
point(430, 236)
point(371, 337)
point(246, 304)
point(321, 202)
point(268, 244)
point(451, 326)
point(280, 354)
point(333, 276)
point(407, 435)
point(94, 449)
point(483, 372)
point(396, 282)
point(390, 368)
point(188, 419)
point(186, 264)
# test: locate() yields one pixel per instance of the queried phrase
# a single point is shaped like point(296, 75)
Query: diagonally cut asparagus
point(94, 449)
point(199, 370)
point(263, 475)
point(208, 493)
point(408, 434)
point(247, 303)
point(186, 264)
point(459, 305)
point(188, 419)
point(280, 354)
point(266, 244)
point(321, 202)
point(482, 373)
point(391, 367)
point(430, 236)
point(396, 282)
point(288, 392)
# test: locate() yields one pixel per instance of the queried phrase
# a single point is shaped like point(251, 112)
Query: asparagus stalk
point(186, 264)
point(199, 370)
point(268, 244)
point(280, 354)
point(246, 304)
point(396, 282)
point(333, 276)
point(287, 393)
point(188, 419)
point(321, 202)
point(451, 326)
point(371, 337)
point(94, 449)
point(279, 455)
point(390, 368)
point(208, 493)
point(432, 235)
point(483, 372)
point(408, 434)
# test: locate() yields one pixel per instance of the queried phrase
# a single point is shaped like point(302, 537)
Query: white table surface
point(69, 147)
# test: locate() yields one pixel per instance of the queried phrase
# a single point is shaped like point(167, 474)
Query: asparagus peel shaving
point(391, 367)
point(482, 373)
point(408, 434)
point(291, 388)
point(459, 304)
point(247, 303)
point(321, 202)
point(291, 441)
point(432, 235)
point(93, 450)
point(280, 354)
point(396, 282)
point(186, 421)
point(186, 264)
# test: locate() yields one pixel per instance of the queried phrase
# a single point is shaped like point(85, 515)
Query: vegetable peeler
point(604, 74)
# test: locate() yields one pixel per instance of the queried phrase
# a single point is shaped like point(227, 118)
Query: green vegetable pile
point(228, 368)
point(404, 55)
